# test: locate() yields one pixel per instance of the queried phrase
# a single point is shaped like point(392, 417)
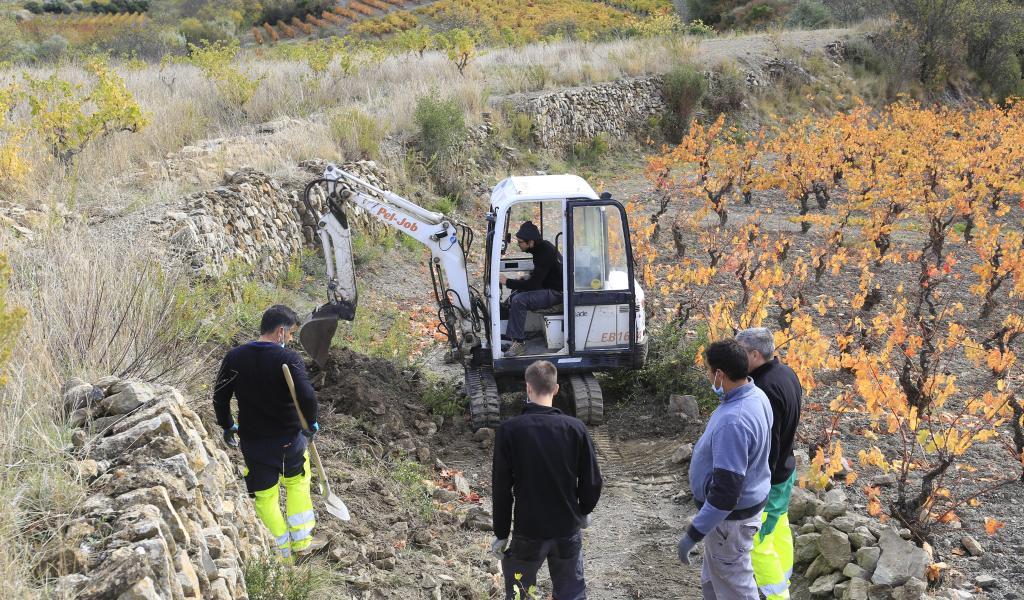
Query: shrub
point(671, 368)
point(269, 579)
point(589, 152)
point(441, 125)
point(727, 90)
point(11, 318)
point(200, 33)
point(357, 133)
point(699, 28)
point(148, 42)
point(684, 88)
point(809, 14)
point(442, 397)
point(522, 128)
point(217, 62)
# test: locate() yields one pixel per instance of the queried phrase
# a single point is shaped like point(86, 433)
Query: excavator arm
point(460, 309)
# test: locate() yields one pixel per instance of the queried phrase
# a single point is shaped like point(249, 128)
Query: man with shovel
point(273, 441)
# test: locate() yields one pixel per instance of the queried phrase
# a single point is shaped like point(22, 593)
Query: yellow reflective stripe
point(301, 519)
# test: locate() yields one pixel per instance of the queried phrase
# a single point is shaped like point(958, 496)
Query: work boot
point(516, 349)
point(314, 546)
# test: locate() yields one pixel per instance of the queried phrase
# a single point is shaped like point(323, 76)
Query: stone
point(445, 495)
point(819, 567)
point(126, 396)
point(423, 454)
point(913, 589)
point(142, 590)
point(484, 434)
point(867, 558)
point(845, 523)
point(805, 548)
point(985, 581)
point(834, 504)
point(682, 454)
point(477, 518)
point(855, 571)
point(104, 383)
point(834, 546)
point(861, 537)
point(823, 586)
point(840, 589)
point(77, 394)
point(879, 592)
point(820, 523)
point(186, 575)
point(86, 469)
point(684, 405)
point(116, 445)
point(887, 480)
point(972, 546)
point(461, 485)
point(856, 590)
point(900, 560)
point(808, 528)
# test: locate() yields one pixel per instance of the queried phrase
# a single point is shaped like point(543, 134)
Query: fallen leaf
point(992, 525)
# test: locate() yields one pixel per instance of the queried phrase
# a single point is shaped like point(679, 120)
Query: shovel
point(334, 504)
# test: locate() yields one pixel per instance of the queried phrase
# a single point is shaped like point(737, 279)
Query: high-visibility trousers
point(772, 558)
point(268, 463)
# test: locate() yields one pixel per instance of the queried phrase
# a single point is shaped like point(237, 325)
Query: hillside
point(149, 212)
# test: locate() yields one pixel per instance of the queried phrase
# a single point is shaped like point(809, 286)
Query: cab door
point(601, 295)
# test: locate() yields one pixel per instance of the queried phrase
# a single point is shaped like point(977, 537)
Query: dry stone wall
point(166, 516)
point(250, 220)
point(622, 109)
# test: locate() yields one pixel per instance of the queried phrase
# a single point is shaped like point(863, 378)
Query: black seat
point(551, 310)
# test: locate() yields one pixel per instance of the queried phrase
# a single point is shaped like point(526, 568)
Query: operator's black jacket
point(547, 270)
point(546, 462)
point(252, 372)
point(782, 387)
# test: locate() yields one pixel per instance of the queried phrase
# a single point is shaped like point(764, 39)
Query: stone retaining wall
point(250, 220)
point(167, 515)
point(622, 109)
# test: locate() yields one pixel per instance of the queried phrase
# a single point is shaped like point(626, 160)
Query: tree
point(460, 47)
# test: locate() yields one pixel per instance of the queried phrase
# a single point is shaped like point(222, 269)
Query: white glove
point(498, 547)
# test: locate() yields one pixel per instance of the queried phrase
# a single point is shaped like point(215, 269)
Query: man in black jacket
point(544, 461)
point(273, 443)
point(772, 555)
point(542, 289)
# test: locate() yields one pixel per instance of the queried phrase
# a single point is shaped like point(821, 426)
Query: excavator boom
point(440, 234)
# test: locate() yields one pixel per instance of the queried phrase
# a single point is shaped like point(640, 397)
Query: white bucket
point(553, 332)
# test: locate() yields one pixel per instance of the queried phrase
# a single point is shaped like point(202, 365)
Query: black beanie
point(528, 232)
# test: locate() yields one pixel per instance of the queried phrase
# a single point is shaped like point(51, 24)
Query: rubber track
point(484, 401)
point(588, 398)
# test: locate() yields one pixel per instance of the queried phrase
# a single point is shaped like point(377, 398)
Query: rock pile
point(622, 109)
point(166, 515)
point(851, 557)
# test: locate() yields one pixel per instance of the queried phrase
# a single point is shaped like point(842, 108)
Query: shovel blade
point(318, 330)
point(337, 508)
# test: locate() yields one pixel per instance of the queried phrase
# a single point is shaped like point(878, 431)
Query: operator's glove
point(309, 434)
point(498, 547)
point(229, 436)
point(768, 526)
point(685, 545)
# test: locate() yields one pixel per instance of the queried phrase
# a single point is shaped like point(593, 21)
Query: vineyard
point(519, 20)
point(81, 28)
point(885, 249)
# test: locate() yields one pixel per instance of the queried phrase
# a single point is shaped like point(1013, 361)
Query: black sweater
point(782, 387)
point(547, 270)
point(252, 372)
point(545, 461)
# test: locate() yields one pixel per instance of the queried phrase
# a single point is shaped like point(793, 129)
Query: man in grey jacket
point(730, 477)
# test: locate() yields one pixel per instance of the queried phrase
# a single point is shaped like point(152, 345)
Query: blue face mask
point(719, 390)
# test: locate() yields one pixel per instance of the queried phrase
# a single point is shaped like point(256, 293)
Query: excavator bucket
point(318, 330)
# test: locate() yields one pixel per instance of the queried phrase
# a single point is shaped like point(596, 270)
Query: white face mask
point(718, 389)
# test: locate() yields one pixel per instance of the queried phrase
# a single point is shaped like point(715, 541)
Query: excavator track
point(484, 401)
point(587, 398)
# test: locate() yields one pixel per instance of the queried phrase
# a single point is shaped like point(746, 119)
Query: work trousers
point(268, 463)
point(522, 303)
point(564, 556)
point(727, 573)
point(772, 558)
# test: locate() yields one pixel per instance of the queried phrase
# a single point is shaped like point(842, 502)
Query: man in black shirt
point(542, 289)
point(273, 443)
point(544, 463)
point(772, 555)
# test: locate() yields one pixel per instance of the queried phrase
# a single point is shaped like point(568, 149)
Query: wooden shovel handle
point(295, 399)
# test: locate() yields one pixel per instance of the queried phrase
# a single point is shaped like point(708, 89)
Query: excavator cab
point(599, 325)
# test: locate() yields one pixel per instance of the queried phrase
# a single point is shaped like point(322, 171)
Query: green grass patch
point(414, 487)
